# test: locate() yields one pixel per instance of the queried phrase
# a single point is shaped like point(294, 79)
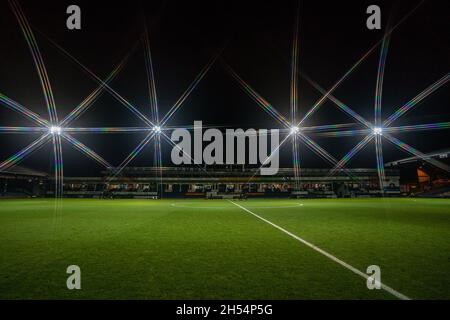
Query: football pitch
point(220, 249)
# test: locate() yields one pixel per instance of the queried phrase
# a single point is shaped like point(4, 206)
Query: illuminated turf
point(198, 249)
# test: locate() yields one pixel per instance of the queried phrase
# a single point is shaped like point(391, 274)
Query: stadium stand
point(419, 178)
point(406, 177)
point(214, 182)
point(21, 182)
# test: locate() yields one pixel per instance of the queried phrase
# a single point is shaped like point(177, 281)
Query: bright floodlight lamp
point(295, 129)
point(378, 131)
point(157, 129)
point(55, 130)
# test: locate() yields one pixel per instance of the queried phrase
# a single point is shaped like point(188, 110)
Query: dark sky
point(257, 40)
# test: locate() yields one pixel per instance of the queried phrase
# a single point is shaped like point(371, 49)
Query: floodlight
point(378, 131)
point(157, 129)
point(295, 129)
point(55, 130)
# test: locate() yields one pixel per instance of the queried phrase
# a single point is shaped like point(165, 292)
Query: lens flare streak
point(158, 161)
point(343, 133)
point(295, 66)
point(22, 130)
point(402, 145)
point(108, 88)
point(380, 79)
point(353, 68)
point(87, 151)
point(108, 130)
point(89, 100)
point(22, 110)
point(296, 161)
point(318, 150)
point(37, 58)
point(413, 102)
point(351, 154)
point(380, 162)
point(189, 90)
point(267, 107)
point(336, 101)
point(132, 155)
point(59, 166)
point(150, 76)
point(419, 127)
point(274, 152)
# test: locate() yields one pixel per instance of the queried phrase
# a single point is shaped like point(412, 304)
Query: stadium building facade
point(230, 181)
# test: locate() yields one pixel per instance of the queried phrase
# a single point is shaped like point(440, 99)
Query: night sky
point(256, 37)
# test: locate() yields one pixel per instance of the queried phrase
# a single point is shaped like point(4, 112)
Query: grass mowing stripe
point(326, 254)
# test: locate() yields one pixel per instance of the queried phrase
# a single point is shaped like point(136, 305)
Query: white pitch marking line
point(326, 254)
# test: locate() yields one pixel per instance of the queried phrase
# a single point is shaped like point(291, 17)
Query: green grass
point(211, 249)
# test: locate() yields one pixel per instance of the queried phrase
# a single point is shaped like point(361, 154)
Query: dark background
point(257, 36)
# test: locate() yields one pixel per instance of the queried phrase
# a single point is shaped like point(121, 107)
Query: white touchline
point(326, 254)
